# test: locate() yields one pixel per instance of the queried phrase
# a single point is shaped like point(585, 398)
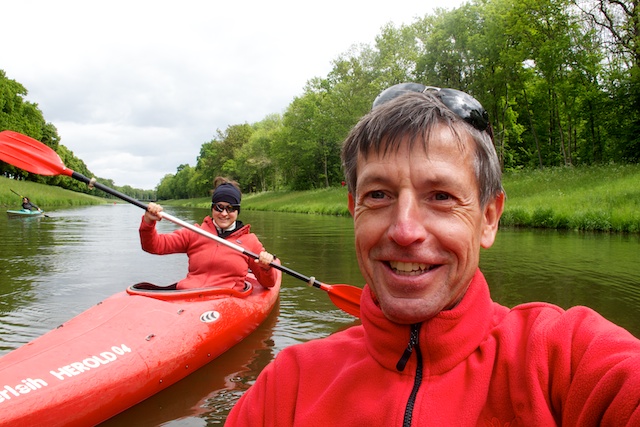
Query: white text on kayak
point(28, 385)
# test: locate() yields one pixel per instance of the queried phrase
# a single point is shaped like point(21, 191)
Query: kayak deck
point(123, 350)
point(24, 212)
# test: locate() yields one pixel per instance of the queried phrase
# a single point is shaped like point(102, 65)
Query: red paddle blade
point(345, 297)
point(31, 155)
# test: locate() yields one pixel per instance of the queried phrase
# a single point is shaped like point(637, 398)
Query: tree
point(619, 21)
point(165, 189)
point(255, 157)
point(299, 152)
point(25, 117)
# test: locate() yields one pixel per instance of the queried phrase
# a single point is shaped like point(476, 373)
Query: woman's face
point(225, 218)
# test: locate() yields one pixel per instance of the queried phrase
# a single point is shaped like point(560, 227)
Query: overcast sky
point(136, 87)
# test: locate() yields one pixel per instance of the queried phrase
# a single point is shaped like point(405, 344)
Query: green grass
point(602, 198)
point(44, 196)
point(326, 201)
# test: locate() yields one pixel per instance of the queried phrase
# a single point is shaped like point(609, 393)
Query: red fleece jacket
point(482, 364)
point(210, 263)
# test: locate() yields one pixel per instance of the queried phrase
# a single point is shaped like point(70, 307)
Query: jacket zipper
point(402, 363)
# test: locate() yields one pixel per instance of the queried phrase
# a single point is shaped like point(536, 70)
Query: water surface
point(54, 268)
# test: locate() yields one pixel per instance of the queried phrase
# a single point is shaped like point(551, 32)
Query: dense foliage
point(559, 78)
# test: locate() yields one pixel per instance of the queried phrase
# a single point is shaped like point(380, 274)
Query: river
point(56, 267)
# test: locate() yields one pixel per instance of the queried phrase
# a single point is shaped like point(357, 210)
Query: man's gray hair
point(416, 115)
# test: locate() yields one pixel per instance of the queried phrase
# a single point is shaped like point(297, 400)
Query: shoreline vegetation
point(593, 198)
point(44, 196)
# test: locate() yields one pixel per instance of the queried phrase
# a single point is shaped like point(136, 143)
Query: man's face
point(419, 226)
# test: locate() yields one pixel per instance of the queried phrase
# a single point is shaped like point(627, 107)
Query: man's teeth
point(409, 267)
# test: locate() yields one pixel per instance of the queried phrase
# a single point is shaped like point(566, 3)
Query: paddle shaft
point(177, 221)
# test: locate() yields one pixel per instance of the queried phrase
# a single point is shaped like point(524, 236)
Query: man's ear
point(491, 219)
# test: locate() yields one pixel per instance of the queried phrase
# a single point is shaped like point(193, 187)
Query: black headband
point(226, 193)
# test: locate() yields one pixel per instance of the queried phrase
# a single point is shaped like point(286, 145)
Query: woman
point(28, 206)
point(210, 262)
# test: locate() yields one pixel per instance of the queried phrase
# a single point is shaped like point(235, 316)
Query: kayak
point(24, 212)
point(125, 349)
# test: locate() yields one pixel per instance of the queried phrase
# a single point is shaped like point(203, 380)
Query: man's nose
point(407, 224)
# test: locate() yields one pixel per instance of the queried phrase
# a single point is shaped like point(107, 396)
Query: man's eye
point(376, 195)
point(442, 196)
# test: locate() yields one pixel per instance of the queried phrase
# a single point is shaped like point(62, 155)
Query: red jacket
point(210, 263)
point(482, 364)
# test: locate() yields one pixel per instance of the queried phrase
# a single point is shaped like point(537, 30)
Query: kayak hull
point(25, 213)
point(124, 350)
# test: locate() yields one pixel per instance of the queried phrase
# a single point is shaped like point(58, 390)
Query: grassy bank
point(327, 201)
point(601, 198)
point(597, 198)
point(45, 196)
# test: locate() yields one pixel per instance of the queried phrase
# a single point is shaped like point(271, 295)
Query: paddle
point(33, 156)
point(22, 197)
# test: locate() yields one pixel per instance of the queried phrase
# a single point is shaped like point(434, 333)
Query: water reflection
point(600, 271)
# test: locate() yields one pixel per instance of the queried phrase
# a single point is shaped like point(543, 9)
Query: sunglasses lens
point(395, 91)
point(466, 107)
point(462, 104)
point(221, 208)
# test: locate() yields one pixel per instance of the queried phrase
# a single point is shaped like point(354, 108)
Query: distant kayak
point(25, 212)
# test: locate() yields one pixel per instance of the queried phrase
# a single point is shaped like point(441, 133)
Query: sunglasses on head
point(221, 208)
point(462, 104)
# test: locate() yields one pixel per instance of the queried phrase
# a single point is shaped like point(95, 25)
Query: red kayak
point(124, 350)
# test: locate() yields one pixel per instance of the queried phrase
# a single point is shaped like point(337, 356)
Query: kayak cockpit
point(171, 293)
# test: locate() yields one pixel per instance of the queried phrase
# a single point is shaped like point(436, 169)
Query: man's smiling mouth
point(410, 268)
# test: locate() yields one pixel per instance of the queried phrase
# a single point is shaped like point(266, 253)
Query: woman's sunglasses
point(221, 208)
point(462, 104)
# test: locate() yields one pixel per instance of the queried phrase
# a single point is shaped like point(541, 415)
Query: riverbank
point(44, 196)
point(595, 198)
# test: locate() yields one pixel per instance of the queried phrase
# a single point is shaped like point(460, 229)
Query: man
point(425, 193)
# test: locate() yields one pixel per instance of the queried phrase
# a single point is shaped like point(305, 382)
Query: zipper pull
point(413, 341)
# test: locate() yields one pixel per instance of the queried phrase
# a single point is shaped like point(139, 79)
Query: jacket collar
point(240, 229)
point(444, 340)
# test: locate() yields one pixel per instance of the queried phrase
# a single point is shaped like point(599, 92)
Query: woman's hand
point(265, 259)
point(152, 214)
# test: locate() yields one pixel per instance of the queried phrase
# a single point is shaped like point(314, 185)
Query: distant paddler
point(26, 203)
point(28, 206)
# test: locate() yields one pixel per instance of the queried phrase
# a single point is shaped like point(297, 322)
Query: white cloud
point(136, 87)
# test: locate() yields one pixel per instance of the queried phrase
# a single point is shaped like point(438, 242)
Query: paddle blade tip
point(346, 298)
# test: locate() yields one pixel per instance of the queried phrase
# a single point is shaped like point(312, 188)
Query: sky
point(136, 87)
